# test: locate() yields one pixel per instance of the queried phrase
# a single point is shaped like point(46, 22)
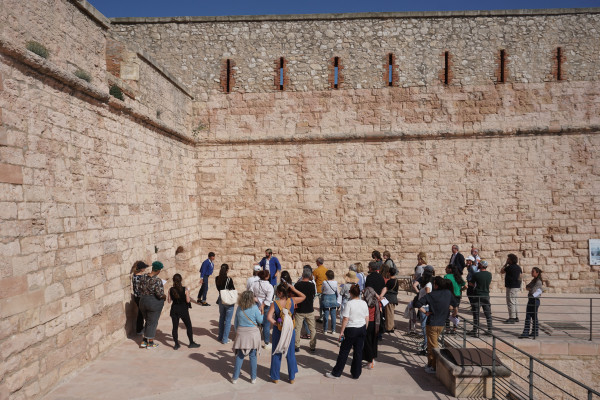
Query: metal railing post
point(493, 367)
point(531, 378)
point(591, 316)
point(464, 333)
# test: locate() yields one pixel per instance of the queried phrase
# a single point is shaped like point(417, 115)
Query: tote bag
point(228, 297)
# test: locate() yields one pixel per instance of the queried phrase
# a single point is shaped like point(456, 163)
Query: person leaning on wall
point(152, 301)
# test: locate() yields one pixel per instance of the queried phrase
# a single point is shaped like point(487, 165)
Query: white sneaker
point(233, 381)
point(253, 381)
point(330, 375)
point(267, 346)
point(429, 370)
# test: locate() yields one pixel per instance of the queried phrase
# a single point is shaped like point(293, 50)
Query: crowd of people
point(274, 313)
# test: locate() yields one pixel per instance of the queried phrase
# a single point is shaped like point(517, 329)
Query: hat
point(483, 264)
point(157, 266)
point(471, 258)
point(351, 277)
point(257, 267)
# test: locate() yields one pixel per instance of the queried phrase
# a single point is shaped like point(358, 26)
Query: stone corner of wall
point(92, 12)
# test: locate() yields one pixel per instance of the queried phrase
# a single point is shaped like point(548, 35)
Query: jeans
point(225, 314)
point(320, 297)
point(266, 327)
point(239, 359)
point(329, 312)
point(423, 317)
point(354, 338)
point(203, 289)
point(531, 317)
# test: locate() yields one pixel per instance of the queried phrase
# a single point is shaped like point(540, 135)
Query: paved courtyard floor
point(129, 372)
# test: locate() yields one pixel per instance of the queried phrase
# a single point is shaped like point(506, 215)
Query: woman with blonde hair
point(247, 338)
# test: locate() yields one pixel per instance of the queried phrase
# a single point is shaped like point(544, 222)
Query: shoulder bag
point(228, 297)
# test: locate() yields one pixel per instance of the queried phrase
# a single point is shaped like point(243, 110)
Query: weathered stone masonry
point(89, 184)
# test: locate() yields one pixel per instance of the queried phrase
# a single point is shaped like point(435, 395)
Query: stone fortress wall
point(89, 184)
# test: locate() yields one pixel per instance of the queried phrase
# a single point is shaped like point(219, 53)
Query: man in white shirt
point(254, 278)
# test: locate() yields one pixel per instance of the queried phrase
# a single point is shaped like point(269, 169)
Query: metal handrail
point(532, 359)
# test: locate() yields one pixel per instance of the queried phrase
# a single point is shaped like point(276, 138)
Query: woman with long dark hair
point(533, 303)
point(180, 297)
point(425, 285)
point(224, 282)
point(138, 270)
point(281, 314)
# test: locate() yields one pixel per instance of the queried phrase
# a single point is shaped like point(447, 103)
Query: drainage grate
point(567, 326)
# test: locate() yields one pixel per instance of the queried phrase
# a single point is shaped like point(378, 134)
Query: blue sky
point(161, 8)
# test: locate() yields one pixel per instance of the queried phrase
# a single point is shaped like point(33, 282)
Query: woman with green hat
point(152, 300)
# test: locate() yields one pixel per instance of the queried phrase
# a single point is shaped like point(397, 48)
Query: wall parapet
point(50, 69)
point(341, 16)
point(92, 12)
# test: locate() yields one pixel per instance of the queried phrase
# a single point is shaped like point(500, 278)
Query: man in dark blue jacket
point(206, 270)
point(439, 301)
point(272, 265)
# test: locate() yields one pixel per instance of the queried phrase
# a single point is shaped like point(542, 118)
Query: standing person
point(458, 285)
point(534, 289)
point(281, 314)
point(206, 270)
point(329, 295)
point(370, 347)
point(224, 282)
point(152, 301)
point(471, 270)
point(180, 296)
point(271, 264)
point(387, 260)
point(320, 277)
point(376, 256)
point(423, 287)
point(360, 274)
point(481, 282)
point(475, 255)
point(457, 259)
point(139, 270)
point(263, 291)
point(305, 312)
point(355, 318)
point(350, 279)
point(247, 334)
point(439, 301)
point(512, 282)
point(254, 278)
point(391, 295)
point(375, 280)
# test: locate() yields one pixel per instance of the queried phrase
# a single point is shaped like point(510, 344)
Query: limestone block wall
point(536, 196)
point(195, 47)
point(74, 39)
point(87, 187)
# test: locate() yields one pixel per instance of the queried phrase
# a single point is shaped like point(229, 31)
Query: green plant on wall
point(116, 92)
point(38, 49)
point(82, 74)
point(199, 128)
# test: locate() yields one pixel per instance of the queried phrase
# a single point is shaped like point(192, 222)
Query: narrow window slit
point(502, 65)
point(228, 88)
point(446, 67)
point(558, 64)
point(281, 73)
point(336, 71)
point(390, 69)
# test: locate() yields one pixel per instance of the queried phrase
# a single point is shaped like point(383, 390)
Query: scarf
point(372, 302)
point(287, 329)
